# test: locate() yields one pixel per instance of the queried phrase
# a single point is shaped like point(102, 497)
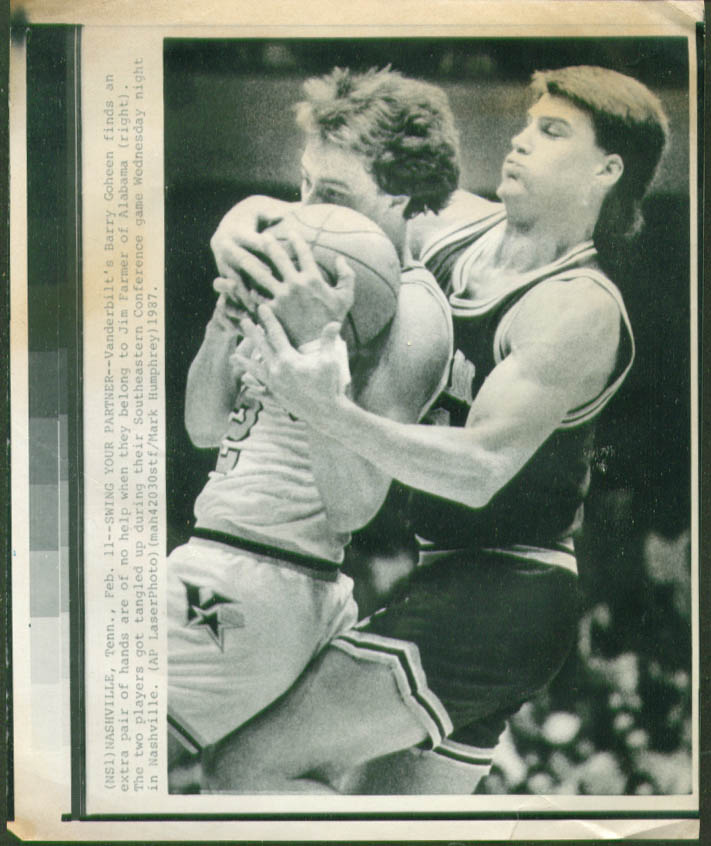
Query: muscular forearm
point(352, 489)
point(440, 460)
point(212, 386)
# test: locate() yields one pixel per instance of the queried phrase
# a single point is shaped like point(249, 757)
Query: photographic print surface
point(159, 132)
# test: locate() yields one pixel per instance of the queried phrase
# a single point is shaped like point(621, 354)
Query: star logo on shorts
point(212, 612)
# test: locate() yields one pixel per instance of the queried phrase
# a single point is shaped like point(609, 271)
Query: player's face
point(330, 174)
point(555, 162)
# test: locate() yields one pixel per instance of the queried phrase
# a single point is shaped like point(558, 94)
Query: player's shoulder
point(464, 209)
point(464, 204)
point(584, 291)
point(582, 305)
point(422, 327)
point(419, 291)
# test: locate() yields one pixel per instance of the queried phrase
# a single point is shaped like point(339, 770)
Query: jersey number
point(241, 421)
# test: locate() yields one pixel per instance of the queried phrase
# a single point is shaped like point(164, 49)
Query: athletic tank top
point(539, 509)
point(263, 488)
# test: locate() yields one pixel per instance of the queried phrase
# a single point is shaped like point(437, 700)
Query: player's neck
point(405, 254)
point(397, 232)
point(524, 246)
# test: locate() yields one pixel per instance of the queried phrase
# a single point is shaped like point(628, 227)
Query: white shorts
point(241, 629)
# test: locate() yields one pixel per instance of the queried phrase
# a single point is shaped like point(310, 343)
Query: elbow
point(478, 498)
point(481, 481)
point(487, 490)
point(203, 436)
point(202, 440)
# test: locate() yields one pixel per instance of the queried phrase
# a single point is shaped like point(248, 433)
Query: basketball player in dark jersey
point(543, 341)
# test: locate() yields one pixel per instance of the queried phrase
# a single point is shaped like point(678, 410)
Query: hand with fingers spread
point(240, 229)
point(308, 383)
point(256, 268)
point(303, 301)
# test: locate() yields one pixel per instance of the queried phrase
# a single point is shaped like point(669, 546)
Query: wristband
point(341, 356)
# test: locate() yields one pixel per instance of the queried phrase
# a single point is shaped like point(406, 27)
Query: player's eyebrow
point(335, 183)
point(329, 181)
point(550, 118)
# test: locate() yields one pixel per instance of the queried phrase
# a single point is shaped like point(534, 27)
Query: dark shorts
point(491, 631)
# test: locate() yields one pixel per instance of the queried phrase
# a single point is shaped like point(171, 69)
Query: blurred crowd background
point(617, 720)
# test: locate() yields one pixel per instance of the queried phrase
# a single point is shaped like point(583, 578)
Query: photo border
point(704, 475)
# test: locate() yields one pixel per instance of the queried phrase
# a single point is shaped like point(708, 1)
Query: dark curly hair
point(628, 120)
point(403, 128)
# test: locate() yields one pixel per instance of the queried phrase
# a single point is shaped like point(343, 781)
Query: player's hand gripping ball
point(332, 231)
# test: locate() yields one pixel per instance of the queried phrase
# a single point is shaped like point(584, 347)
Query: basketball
point(333, 231)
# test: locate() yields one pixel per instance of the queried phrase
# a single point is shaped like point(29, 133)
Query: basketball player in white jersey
point(543, 341)
point(257, 591)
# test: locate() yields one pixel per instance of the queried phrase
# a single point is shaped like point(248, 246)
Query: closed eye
point(330, 195)
point(554, 128)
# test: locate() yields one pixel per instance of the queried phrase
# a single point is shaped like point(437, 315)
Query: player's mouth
point(511, 169)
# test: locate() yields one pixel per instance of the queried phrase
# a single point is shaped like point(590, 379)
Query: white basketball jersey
point(263, 488)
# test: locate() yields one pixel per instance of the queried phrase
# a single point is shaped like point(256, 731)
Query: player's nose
point(522, 141)
point(308, 196)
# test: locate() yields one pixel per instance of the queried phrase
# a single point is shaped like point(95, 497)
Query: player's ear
point(611, 169)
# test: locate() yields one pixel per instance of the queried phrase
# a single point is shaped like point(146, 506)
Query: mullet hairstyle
point(628, 120)
point(403, 128)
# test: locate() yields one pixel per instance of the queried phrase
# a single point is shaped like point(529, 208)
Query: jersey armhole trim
point(587, 411)
point(458, 232)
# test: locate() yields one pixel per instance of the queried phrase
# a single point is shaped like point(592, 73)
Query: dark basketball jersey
point(541, 507)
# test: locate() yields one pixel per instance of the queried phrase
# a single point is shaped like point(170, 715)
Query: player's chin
point(509, 187)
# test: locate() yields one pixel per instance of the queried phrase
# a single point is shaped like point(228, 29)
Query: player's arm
point(562, 347)
point(463, 207)
point(213, 378)
point(409, 369)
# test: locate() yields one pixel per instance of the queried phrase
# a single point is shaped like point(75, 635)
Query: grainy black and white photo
point(355, 421)
point(522, 584)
